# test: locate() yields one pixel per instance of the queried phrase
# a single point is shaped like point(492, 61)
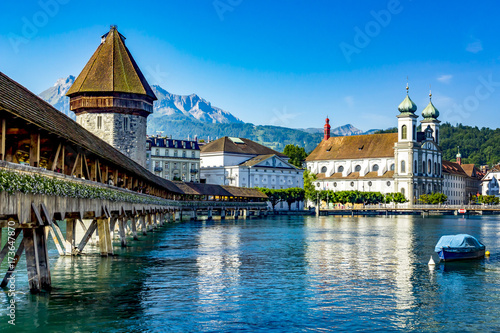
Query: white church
point(408, 161)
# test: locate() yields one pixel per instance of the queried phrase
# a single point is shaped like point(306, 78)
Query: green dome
point(407, 105)
point(430, 112)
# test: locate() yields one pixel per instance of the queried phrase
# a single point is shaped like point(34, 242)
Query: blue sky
point(283, 62)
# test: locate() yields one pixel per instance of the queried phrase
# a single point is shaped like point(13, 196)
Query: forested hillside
point(479, 146)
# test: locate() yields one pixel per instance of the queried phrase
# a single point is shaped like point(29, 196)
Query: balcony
point(194, 171)
point(158, 169)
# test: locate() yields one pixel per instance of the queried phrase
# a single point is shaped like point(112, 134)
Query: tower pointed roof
point(111, 69)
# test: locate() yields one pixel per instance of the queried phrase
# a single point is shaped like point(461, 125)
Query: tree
point(297, 154)
point(293, 194)
point(274, 196)
point(489, 199)
point(395, 197)
point(309, 188)
point(433, 198)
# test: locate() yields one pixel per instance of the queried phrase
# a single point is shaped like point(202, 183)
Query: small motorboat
point(459, 247)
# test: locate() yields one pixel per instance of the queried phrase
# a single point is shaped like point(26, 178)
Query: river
point(280, 274)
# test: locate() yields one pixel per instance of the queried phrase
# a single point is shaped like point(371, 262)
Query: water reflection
point(281, 274)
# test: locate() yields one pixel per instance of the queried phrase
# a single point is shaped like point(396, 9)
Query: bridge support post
point(121, 225)
point(209, 214)
point(112, 225)
point(69, 243)
point(150, 221)
point(105, 244)
point(37, 260)
point(133, 226)
point(236, 213)
point(223, 214)
point(142, 219)
point(245, 213)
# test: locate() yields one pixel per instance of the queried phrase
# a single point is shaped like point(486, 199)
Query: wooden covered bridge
point(54, 171)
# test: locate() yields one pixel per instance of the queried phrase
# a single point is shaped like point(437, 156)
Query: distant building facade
point(112, 99)
point(490, 185)
point(245, 163)
point(408, 161)
point(173, 159)
point(460, 181)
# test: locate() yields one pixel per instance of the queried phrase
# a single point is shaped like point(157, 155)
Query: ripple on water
point(282, 274)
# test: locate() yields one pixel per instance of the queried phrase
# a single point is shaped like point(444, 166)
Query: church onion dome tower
point(407, 106)
point(430, 115)
point(430, 112)
point(112, 99)
point(407, 119)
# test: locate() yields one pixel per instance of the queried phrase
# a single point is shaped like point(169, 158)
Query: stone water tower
point(112, 99)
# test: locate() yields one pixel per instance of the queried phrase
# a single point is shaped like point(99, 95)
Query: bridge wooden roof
point(20, 102)
point(218, 190)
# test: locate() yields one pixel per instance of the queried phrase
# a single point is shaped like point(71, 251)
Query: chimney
point(327, 129)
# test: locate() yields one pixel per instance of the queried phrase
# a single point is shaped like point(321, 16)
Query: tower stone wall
point(125, 132)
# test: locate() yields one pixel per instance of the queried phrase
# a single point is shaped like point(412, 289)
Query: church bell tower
point(112, 99)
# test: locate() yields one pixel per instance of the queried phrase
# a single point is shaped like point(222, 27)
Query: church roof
point(355, 147)
point(238, 146)
point(111, 69)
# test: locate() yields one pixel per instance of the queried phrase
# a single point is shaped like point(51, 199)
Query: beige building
point(173, 159)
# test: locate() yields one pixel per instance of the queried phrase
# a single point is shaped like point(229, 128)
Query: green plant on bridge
point(12, 182)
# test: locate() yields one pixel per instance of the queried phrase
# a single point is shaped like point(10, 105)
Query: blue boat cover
point(458, 241)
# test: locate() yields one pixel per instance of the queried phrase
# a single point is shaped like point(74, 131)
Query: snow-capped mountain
point(56, 95)
point(192, 106)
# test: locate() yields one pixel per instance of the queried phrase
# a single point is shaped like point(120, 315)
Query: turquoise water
point(283, 274)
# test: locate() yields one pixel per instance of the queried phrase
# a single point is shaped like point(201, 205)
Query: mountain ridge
point(183, 116)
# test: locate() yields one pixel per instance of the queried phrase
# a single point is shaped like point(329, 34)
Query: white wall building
point(408, 161)
point(245, 163)
point(173, 159)
point(490, 183)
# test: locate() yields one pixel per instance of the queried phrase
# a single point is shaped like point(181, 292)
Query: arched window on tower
point(435, 168)
point(414, 133)
point(437, 136)
point(403, 167)
point(415, 171)
point(423, 166)
point(429, 166)
point(403, 132)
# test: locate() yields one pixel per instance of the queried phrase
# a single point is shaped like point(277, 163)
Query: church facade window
point(404, 133)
